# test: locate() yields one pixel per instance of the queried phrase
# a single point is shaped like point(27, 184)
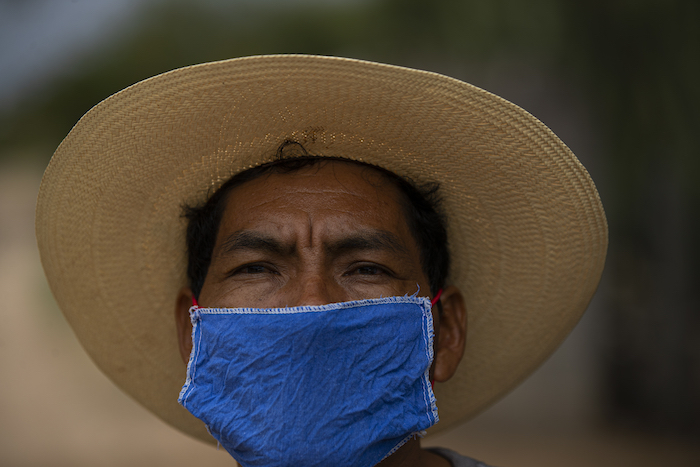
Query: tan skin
point(328, 233)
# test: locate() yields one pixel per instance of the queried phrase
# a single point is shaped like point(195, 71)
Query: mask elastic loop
point(432, 302)
point(194, 302)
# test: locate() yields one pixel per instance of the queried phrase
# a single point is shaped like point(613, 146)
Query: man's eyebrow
point(251, 240)
point(370, 239)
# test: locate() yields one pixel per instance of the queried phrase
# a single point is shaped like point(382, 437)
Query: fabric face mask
point(344, 384)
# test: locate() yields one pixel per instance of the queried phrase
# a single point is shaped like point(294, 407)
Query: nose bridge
point(314, 289)
point(314, 283)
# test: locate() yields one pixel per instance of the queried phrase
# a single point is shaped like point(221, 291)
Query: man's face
point(332, 232)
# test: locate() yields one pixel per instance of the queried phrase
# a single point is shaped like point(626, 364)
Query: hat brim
point(527, 231)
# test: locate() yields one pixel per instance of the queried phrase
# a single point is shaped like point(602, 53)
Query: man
point(310, 313)
point(327, 231)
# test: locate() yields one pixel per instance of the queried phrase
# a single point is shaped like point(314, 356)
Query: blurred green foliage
point(637, 62)
point(179, 33)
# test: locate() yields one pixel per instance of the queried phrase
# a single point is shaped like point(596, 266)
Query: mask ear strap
point(432, 302)
point(194, 302)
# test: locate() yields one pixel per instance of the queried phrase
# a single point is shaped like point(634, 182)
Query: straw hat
point(527, 231)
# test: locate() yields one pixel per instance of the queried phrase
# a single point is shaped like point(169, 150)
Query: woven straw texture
point(527, 230)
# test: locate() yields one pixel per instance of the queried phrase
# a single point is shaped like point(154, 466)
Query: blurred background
point(617, 80)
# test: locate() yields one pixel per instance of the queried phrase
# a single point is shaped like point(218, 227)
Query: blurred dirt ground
point(57, 409)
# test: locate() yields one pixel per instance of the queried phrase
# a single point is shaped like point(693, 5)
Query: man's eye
point(253, 269)
point(368, 270)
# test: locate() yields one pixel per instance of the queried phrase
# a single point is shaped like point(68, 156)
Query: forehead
point(325, 189)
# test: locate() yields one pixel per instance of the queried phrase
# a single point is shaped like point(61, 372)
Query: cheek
point(230, 294)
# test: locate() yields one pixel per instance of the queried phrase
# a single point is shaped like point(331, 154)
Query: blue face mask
point(344, 384)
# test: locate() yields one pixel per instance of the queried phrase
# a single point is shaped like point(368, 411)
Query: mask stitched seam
point(421, 301)
point(428, 394)
point(191, 363)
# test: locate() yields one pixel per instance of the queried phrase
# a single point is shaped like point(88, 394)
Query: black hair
point(421, 206)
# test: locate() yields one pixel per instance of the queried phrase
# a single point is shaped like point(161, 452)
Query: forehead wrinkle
point(256, 241)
